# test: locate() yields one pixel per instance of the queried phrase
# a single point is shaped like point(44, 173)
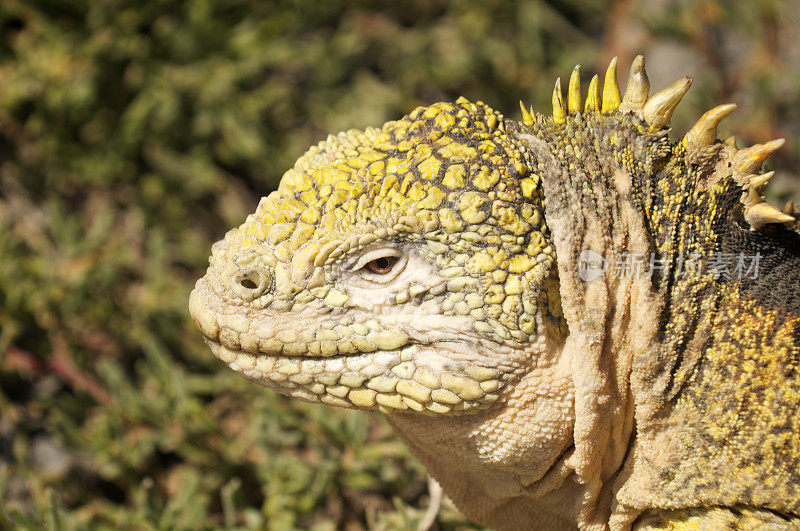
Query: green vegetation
point(134, 133)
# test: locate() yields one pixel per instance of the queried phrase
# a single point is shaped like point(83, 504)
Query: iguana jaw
point(407, 367)
point(370, 381)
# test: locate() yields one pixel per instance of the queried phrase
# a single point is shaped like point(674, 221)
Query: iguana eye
point(382, 265)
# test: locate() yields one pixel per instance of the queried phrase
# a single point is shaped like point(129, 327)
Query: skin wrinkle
point(534, 398)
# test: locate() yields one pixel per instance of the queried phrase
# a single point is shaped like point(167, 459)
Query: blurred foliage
point(133, 133)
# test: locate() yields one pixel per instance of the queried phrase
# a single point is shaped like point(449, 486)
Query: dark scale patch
point(777, 283)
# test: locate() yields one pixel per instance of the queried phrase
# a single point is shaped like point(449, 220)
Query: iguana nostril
point(250, 283)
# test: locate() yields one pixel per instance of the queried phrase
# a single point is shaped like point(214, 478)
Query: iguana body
point(431, 270)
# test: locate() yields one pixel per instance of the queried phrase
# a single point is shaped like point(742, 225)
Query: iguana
point(571, 320)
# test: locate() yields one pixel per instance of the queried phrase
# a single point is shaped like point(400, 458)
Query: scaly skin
point(431, 270)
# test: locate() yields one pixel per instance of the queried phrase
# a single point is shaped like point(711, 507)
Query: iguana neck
point(645, 334)
point(619, 193)
point(590, 167)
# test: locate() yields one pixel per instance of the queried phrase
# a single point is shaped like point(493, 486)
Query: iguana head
point(394, 268)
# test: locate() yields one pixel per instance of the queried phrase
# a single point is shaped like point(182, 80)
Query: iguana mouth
point(382, 380)
point(406, 377)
